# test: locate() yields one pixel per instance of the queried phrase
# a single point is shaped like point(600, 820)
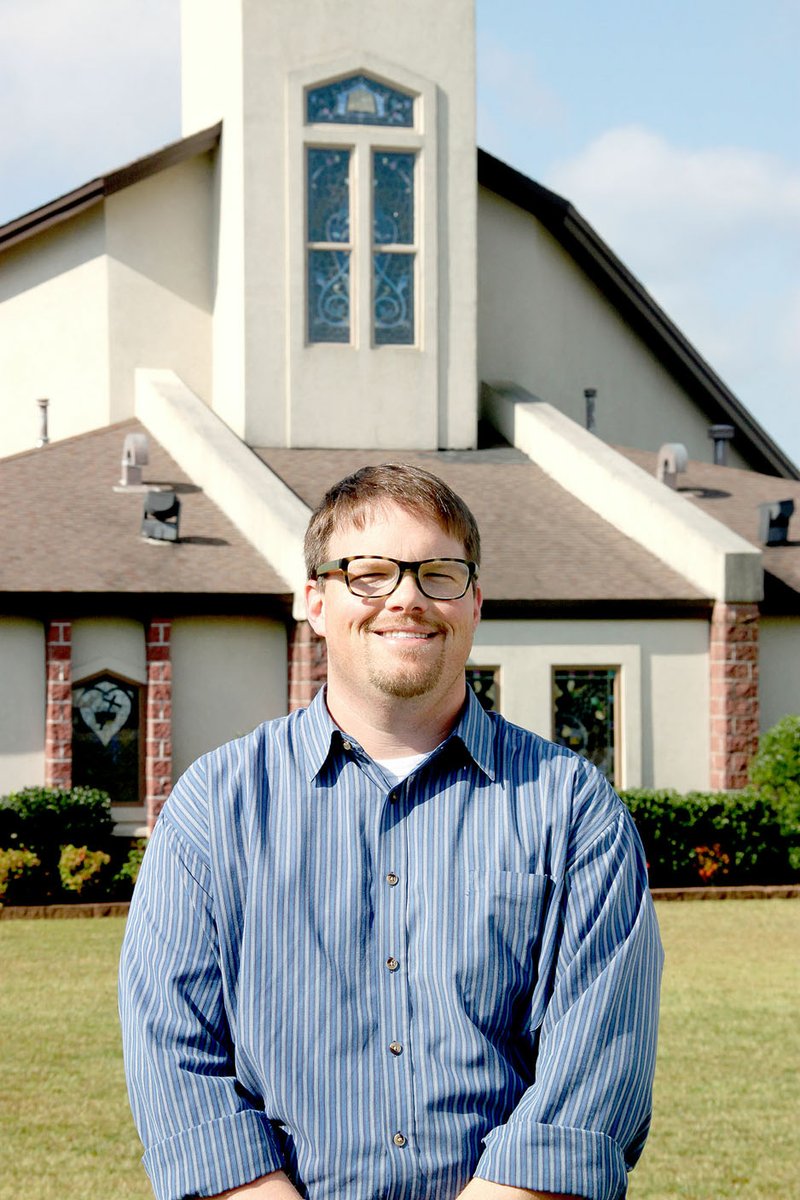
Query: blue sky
point(672, 127)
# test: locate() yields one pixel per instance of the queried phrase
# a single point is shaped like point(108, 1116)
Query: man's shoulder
point(516, 744)
point(565, 786)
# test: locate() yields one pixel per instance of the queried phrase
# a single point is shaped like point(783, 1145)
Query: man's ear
point(477, 602)
point(315, 606)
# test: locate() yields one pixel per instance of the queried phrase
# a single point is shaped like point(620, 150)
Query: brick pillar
point(158, 719)
point(734, 693)
point(308, 665)
point(58, 718)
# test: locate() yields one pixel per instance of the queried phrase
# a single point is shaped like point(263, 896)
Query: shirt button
point(393, 796)
point(396, 1048)
point(347, 745)
point(399, 1139)
point(392, 964)
point(392, 879)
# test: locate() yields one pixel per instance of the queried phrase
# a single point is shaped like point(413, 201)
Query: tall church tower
point(345, 298)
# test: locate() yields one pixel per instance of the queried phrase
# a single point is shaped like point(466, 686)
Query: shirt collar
point(474, 729)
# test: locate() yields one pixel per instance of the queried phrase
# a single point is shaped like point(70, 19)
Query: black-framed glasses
point(375, 576)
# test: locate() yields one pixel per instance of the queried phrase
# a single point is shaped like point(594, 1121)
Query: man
point(391, 946)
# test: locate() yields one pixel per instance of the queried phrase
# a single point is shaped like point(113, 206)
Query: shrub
point(80, 868)
point(126, 876)
point(45, 819)
point(775, 772)
point(18, 871)
point(709, 837)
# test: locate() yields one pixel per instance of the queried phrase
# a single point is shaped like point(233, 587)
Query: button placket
point(393, 983)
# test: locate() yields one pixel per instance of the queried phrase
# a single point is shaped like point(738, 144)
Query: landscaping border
point(119, 908)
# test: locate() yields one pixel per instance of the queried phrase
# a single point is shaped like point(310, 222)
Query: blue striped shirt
point(388, 989)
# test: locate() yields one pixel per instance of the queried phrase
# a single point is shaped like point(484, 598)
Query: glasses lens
point(372, 576)
point(444, 579)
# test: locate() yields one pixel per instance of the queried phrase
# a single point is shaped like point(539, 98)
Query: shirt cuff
point(213, 1157)
point(554, 1158)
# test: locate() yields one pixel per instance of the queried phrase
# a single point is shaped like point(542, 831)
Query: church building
point(326, 271)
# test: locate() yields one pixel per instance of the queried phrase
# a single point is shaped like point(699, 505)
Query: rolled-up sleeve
point(202, 1134)
point(580, 1127)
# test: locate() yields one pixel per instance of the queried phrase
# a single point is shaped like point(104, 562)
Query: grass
point(726, 1091)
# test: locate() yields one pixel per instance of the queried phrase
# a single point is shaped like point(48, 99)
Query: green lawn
point(725, 1121)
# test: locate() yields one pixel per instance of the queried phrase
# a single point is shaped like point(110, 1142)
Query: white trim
point(260, 505)
point(714, 559)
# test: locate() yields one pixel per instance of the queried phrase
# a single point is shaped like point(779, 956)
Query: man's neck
point(394, 727)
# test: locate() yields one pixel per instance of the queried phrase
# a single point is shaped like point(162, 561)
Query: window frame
point(615, 779)
point(362, 141)
point(97, 673)
point(495, 671)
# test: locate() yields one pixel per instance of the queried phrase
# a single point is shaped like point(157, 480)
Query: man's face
point(403, 645)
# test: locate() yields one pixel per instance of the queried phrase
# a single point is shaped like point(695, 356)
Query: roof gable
point(637, 308)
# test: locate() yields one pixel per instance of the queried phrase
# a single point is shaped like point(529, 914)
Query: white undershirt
point(398, 769)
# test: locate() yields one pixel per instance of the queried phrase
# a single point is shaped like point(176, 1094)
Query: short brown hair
point(417, 491)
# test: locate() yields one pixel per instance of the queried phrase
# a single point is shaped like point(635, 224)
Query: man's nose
point(407, 594)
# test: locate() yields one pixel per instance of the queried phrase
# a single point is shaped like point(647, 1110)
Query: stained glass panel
point(584, 714)
point(393, 198)
point(484, 682)
point(105, 737)
point(359, 100)
point(328, 195)
point(329, 295)
point(393, 299)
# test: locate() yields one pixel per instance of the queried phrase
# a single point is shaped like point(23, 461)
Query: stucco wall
point(161, 260)
point(22, 703)
point(663, 696)
point(108, 644)
point(54, 344)
point(229, 674)
point(542, 324)
point(242, 62)
point(779, 669)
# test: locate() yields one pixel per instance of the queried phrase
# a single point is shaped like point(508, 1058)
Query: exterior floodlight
point(162, 512)
point(773, 522)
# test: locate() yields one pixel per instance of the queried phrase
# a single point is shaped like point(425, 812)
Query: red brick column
point(308, 665)
point(158, 719)
point(734, 693)
point(58, 717)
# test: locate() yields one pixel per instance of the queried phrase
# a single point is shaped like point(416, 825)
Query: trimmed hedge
point(46, 822)
point(704, 838)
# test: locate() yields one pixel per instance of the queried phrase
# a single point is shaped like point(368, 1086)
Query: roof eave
point(71, 203)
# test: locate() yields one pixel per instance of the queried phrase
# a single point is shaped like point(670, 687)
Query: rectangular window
point(394, 247)
point(329, 244)
point(585, 701)
point(485, 683)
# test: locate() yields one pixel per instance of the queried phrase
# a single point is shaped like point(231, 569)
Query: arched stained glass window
point(359, 100)
point(106, 745)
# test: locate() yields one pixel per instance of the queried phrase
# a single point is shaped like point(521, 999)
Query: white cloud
point(667, 204)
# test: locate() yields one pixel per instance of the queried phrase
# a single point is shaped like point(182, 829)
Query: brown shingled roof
point(541, 546)
point(66, 530)
point(732, 496)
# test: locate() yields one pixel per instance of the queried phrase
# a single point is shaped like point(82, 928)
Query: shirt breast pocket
point(503, 918)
